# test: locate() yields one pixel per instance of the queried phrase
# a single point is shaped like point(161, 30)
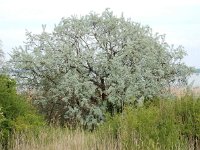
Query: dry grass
point(61, 139)
point(182, 91)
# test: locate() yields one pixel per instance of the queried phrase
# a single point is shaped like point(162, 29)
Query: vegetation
point(16, 114)
point(95, 64)
point(197, 70)
point(101, 82)
point(164, 124)
point(1, 56)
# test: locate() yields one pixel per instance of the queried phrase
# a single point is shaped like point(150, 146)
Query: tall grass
point(163, 124)
point(160, 125)
point(63, 139)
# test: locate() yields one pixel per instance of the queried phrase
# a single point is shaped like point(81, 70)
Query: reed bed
point(165, 124)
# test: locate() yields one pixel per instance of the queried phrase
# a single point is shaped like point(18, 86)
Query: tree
point(1, 55)
point(94, 64)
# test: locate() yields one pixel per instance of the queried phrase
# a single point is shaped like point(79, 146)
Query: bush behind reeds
point(162, 124)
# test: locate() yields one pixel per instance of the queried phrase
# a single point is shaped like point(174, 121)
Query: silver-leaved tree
point(94, 64)
point(1, 57)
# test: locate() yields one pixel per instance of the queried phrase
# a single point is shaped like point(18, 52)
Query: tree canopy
point(94, 64)
point(1, 54)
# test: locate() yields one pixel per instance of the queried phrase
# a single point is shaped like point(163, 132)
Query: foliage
point(94, 64)
point(164, 124)
point(197, 70)
point(16, 115)
point(1, 55)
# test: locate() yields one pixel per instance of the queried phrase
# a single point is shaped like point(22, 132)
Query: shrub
point(163, 124)
point(16, 115)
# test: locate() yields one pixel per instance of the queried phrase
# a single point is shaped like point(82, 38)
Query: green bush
point(17, 114)
point(163, 124)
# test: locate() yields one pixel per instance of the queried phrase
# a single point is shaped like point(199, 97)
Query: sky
point(178, 19)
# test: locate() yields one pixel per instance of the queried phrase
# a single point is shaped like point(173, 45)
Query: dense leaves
point(95, 63)
point(16, 114)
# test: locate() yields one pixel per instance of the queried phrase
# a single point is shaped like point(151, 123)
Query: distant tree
point(197, 70)
point(94, 64)
point(1, 55)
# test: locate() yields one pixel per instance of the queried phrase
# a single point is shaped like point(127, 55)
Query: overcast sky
point(178, 19)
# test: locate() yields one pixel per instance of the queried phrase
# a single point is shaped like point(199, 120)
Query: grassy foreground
point(63, 139)
point(162, 124)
